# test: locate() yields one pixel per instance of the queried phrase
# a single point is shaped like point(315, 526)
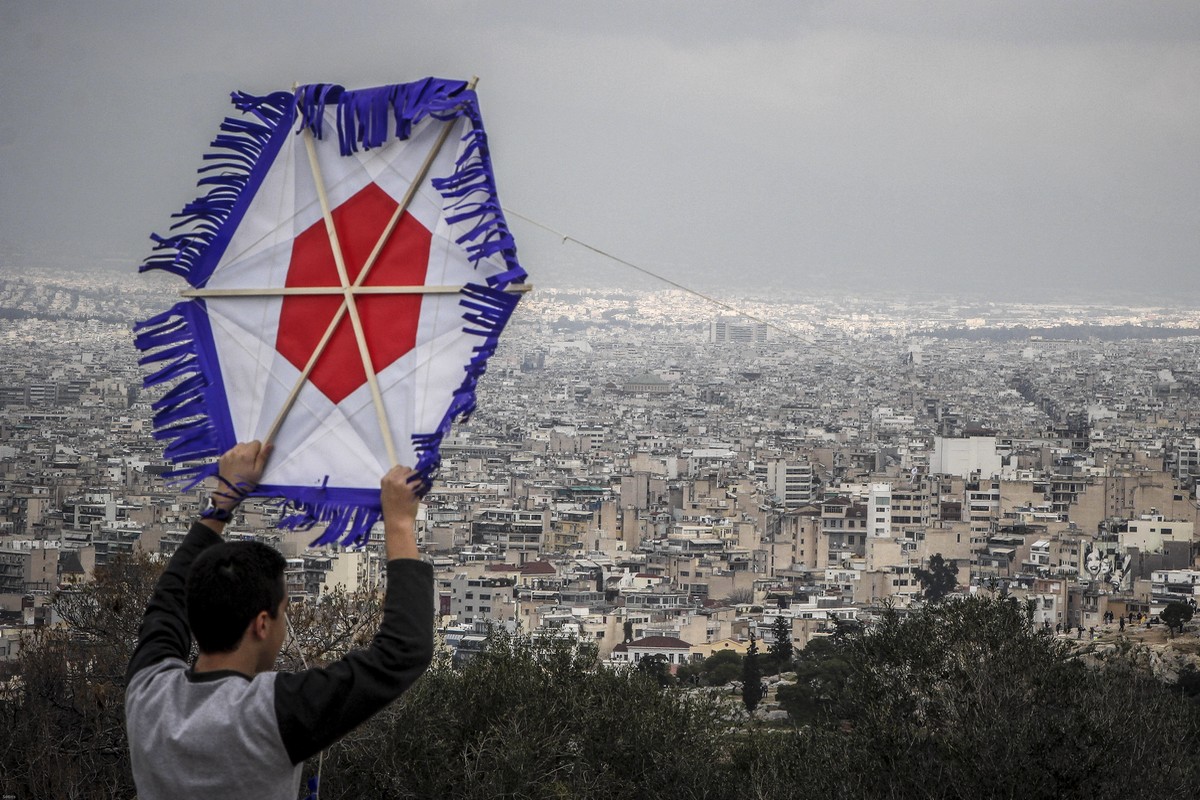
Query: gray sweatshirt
point(223, 736)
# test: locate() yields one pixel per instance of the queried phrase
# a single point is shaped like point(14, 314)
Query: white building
point(479, 599)
point(982, 507)
point(734, 329)
point(675, 652)
point(789, 482)
point(1173, 585)
point(965, 456)
point(879, 509)
point(1149, 531)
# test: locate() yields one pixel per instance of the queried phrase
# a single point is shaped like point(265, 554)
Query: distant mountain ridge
point(1068, 332)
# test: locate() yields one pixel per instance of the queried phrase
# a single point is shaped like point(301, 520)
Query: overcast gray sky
point(971, 146)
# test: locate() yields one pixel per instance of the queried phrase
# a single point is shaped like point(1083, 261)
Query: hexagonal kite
point(345, 293)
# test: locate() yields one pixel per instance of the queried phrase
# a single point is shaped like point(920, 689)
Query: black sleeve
point(318, 706)
point(164, 632)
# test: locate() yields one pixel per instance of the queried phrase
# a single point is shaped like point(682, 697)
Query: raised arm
point(164, 632)
point(319, 706)
point(398, 495)
point(238, 473)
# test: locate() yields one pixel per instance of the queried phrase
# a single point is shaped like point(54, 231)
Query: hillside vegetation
point(959, 700)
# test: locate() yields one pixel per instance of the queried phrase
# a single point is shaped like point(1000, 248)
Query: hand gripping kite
point(346, 293)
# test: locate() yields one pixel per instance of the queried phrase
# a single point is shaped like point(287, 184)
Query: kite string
point(314, 785)
point(791, 332)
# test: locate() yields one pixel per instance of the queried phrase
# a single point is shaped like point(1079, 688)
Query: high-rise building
point(733, 329)
point(790, 482)
point(879, 509)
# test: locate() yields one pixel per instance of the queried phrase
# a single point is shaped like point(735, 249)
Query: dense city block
point(658, 478)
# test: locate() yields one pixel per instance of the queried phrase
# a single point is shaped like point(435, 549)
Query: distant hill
point(1106, 333)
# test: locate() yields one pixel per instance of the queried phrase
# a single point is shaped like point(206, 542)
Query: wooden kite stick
point(308, 368)
point(287, 291)
point(372, 380)
point(348, 302)
point(368, 366)
point(349, 290)
point(330, 228)
point(334, 245)
point(409, 194)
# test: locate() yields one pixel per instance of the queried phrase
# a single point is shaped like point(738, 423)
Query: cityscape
point(651, 474)
point(832, 371)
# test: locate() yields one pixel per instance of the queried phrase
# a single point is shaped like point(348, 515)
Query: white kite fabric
point(350, 273)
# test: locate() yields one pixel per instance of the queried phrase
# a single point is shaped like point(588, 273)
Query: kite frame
point(193, 415)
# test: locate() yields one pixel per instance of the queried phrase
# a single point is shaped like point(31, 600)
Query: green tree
point(932, 691)
point(722, 667)
point(62, 721)
point(966, 699)
point(752, 691)
point(821, 671)
point(939, 580)
point(533, 719)
point(1176, 615)
point(960, 699)
point(656, 667)
point(1189, 682)
point(689, 674)
point(718, 669)
point(781, 649)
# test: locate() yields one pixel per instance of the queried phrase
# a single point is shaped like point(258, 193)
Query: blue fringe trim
point(488, 311)
point(363, 115)
point(181, 414)
point(471, 192)
point(238, 148)
point(348, 514)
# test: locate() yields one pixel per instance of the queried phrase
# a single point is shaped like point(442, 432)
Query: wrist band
point(240, 491)
point(237, 493)
point(215, 512)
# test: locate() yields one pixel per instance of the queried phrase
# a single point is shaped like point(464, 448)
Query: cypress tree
point(752, 690)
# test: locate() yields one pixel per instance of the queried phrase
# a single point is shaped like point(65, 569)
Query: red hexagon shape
point(389, 321)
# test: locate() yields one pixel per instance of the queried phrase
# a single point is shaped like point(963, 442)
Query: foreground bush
point(536, 720)
point(968, 700)
point(956, 701)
